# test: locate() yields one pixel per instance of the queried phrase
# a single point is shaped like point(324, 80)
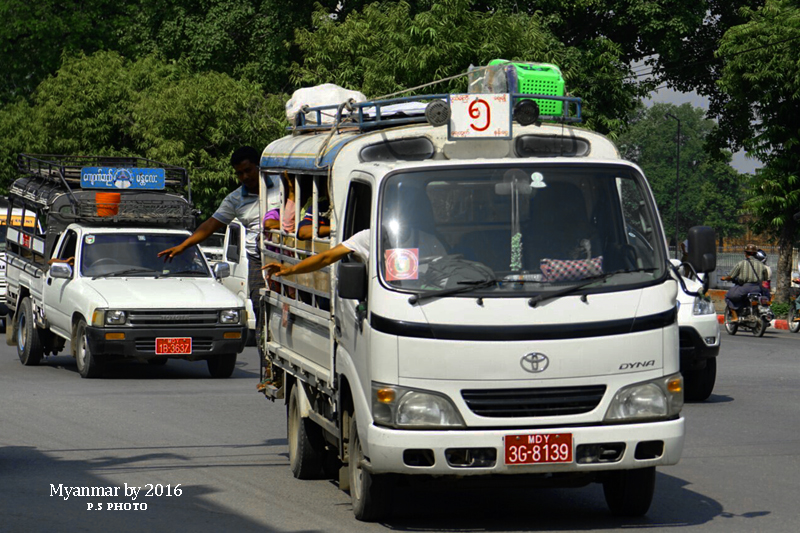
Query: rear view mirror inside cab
point(516, 180)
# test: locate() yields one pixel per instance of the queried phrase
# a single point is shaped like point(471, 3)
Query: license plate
point(538, 449)
point(171, 345)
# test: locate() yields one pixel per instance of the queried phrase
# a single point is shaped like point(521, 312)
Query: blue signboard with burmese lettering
point(122, 178)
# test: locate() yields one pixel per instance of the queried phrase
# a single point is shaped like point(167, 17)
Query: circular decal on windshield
point(402, 263)
point(89, 239)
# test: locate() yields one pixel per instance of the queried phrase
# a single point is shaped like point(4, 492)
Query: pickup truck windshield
point(532, 228)
point(133, 254)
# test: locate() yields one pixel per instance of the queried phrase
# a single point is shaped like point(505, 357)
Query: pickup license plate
point(539, 448)
point(172, 345)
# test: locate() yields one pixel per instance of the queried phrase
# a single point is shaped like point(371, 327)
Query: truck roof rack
point(370, 115)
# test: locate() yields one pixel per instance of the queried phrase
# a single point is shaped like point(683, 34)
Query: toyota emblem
point(534, 362)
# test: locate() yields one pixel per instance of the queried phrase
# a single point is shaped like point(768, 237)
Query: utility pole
point(677, 180)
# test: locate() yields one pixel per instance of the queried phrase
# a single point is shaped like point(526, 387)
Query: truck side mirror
point(222, 270)
point(703, 249)
point(352, 281)
point(232, 253)
point(61, 271)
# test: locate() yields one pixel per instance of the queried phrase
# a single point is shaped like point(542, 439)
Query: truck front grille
point(173, 318)
point(546, 401)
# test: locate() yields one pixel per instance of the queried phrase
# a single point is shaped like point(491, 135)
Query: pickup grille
point(199, 344)
point(173, 318)
point(548, 401)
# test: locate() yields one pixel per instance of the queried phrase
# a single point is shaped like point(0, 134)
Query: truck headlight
point(115, 318)
point(703, 306)
point(658, 398)
point(401, 407)
point(230, 316)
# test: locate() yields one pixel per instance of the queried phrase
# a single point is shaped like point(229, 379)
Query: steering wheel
point(105, 261)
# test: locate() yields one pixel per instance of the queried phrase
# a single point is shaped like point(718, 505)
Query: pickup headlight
point(411, 408)
point(115, 318)
point(703, 306)
point(658, 398)
point(230, 316)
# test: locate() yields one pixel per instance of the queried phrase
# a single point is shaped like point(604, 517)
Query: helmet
point(750, 248)
point(761, 256)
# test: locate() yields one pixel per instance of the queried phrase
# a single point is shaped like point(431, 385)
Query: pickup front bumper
point(140, 343)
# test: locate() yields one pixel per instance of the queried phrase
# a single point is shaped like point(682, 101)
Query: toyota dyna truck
point(89, 273)
point(502, 322)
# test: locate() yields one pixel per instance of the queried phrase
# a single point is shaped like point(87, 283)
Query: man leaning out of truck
point(241, 204)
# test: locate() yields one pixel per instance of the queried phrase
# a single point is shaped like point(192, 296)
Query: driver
point(748, 275)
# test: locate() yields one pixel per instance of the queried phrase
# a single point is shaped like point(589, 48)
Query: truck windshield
point(136, 254)
point(532, 228)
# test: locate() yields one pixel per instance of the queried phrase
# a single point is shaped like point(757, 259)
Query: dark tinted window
point(416, 149)
point(550, 146)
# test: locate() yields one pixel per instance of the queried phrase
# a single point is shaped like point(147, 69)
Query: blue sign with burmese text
point(122, 178)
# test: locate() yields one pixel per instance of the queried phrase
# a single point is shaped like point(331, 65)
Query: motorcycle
point(755, 316)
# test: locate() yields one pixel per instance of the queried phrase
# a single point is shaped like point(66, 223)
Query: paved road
point(226, 447)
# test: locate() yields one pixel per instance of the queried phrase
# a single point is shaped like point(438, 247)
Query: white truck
point(503, 323)
point(89, 272)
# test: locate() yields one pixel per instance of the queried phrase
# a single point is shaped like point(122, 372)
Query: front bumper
point(387, 448)
point(141, 342)
point(693, 347)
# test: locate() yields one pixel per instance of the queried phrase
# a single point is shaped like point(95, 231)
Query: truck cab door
point(57, 293)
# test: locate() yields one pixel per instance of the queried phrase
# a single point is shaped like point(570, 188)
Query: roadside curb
point(777, 324)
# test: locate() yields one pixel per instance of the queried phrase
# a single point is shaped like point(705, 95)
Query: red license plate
point(165, 345)
point(539, 448)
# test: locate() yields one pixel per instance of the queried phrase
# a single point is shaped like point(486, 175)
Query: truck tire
point(221, 366)
point(700, 383)
point(370, 493)
point(29, 346)
point(630, 492)
point(306, 443)
point(89, 365)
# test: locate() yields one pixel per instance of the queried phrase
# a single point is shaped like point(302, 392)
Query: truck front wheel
point(221, 366)
point(88, 363)
point(630, 492)
point(700, 383)
point(370, 493)
point(29, 346)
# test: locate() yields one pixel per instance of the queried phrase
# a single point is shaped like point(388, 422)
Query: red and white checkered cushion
point(571, 270)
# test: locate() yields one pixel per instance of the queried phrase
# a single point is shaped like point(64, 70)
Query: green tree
point(761, 85)
point(389, 47)
point(710, 192)
point(104, 104)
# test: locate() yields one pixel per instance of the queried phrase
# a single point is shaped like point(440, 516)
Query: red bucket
point(107, 203)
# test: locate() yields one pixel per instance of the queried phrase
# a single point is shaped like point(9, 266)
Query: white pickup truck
point(92, 275)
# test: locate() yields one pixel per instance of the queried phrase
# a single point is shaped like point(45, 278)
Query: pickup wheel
point(29, 346)
point(370, 493)
point(630, 492)
point(221, 366)
point(88, 363)
point(306, 443)
point(700, 383)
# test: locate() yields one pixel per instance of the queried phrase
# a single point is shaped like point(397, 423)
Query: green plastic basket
point(536, 78)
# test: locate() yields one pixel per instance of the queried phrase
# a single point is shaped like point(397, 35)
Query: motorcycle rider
point(748, 275)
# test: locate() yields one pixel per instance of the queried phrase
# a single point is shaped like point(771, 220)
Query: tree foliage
point(761, 83)
point(710, 190)
point(105, 104)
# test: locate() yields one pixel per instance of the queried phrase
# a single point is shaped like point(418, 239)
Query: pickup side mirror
point(232, 253)
point(352, 281)
point(702, 249)
point(222, 270)
point(61, 271)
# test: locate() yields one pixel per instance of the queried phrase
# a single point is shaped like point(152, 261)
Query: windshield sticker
point(89, 239)
point(402, 264)
point(141, 237)
point(537, 181)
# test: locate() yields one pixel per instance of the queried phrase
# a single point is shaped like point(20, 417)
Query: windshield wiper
point(124, 272)
point(182, 273)
point(466, 286)
point(539, 298)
